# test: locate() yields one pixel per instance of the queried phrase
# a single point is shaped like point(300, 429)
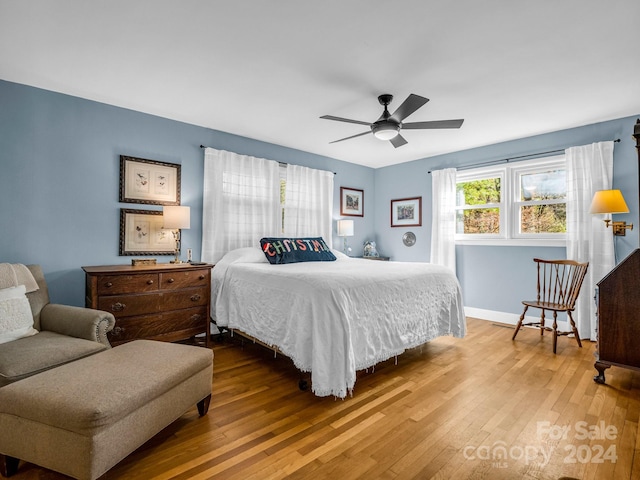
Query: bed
point(335, 318)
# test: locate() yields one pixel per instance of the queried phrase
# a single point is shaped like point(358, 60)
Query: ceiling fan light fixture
point(385, 131)
point(388, 125)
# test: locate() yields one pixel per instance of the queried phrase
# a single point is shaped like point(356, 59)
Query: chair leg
point(555, 331)
point(575, 330)
point(203, 405)
point(542, 323)
point(519, 322)
point(8, 465)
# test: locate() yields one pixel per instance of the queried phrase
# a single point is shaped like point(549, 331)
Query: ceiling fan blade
point(352, 136)
point(410, 105)
point(433, 124)
point(340, 119)
point(398, 141)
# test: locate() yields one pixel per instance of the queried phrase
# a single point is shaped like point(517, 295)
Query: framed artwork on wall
point(149, 181)
point(406, 212)
point(351, 202)
point(142, 233)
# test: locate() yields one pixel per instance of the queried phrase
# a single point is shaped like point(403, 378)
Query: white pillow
point(16, 319)
point(339, 255)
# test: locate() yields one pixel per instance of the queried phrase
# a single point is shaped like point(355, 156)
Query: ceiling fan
point(388, 126)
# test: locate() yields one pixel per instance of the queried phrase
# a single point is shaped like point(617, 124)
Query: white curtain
point(589, 168)
point(241, 202)
point(443, 225)
point(308, 205)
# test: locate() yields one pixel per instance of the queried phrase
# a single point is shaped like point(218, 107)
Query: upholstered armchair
point(65, 333)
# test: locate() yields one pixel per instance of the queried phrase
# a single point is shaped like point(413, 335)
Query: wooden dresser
point(167, 302)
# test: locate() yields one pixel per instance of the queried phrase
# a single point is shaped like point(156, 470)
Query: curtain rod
point(507, 160)
point(281, 163)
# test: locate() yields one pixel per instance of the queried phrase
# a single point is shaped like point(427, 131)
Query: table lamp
point(345, 229)
point(176, 218)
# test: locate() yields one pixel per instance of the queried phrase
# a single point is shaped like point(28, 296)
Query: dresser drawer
point(116, 284)
point(163, 326)
point(182, 279)
point(129, 305)
point(186, 298)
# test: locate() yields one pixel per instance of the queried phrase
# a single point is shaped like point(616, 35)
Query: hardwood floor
point(445, 411)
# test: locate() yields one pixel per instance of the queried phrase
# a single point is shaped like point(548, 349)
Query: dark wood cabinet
point(167, 302)
point(618, 297)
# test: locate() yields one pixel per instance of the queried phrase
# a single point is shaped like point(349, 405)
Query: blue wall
point(59, 180)
point(498, 278)
point(60, 174)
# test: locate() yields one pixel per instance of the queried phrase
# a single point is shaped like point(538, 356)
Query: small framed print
point(406, 212)
point(142, 233)
point(149, 181)
point(351, 202)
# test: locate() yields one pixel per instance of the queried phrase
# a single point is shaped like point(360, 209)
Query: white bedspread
point(333, 318)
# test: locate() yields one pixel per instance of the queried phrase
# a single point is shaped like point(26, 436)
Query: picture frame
point(142, 233)
point(149, 181)
point(351, 202)
point(406, 212)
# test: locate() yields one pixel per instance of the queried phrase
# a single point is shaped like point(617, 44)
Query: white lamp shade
point(608, 201)
point(176, 217)
point(345, 228)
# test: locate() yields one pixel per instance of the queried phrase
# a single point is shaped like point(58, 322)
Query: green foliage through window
point(523, 200)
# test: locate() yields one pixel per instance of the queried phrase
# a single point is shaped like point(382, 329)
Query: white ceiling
point(269, 69)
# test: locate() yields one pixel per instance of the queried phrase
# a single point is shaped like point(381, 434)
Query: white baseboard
point(510, 318)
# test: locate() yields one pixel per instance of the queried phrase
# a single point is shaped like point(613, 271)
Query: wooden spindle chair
point(559, 283)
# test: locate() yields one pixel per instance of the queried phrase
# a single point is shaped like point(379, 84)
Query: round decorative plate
point(409, 239)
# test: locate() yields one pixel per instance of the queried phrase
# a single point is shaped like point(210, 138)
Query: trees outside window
point(518, 203)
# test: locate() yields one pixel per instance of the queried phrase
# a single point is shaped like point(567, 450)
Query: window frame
point(483, 174)
point(510, 203)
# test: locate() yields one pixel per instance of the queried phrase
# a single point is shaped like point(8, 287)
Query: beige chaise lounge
point(71, 403)
point(66, 333)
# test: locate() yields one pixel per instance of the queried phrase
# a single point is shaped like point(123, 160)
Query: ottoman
point(82, 418)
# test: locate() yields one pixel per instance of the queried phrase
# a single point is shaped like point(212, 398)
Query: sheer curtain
point(589, 168)
point(443, 224)
point(241, 202)
point(308, 205)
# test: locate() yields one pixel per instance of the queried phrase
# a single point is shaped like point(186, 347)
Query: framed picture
point(406, 212)
point(351, 202)
point(149, 182)
point(141, 233)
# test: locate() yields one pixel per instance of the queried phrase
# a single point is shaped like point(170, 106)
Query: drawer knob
point(108, 284)
point(196, 316)
point(117, 331)
point(149, 282)
point(195, 298)
point(118, 307)
point(171, 280)
point(201, 277)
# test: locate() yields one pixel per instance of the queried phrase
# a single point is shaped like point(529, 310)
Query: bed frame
point(305, 377)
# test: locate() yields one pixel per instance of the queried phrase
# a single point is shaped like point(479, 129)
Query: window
point(518, 204)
